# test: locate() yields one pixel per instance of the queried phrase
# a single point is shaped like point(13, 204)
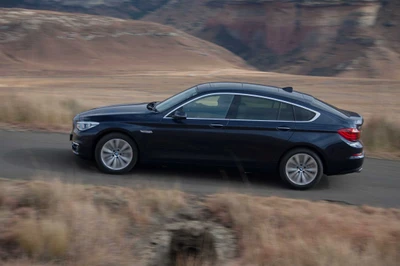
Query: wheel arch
point(110, 131)
point(309, 147)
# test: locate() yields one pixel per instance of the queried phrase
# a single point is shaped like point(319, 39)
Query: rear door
point(258, 130)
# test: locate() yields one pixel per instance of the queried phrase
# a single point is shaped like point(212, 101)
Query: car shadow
point(61, 162)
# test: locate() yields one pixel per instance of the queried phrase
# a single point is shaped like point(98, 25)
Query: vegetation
point(277, 231)
point(382, 138)
point(51, 223)
point(42, 112)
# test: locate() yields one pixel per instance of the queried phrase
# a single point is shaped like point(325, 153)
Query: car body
point(226, 123)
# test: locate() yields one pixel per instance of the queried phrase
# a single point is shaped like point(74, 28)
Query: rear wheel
point(301, 168)
point(116, 153)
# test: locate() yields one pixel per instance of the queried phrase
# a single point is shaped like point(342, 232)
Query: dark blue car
point(225, 123)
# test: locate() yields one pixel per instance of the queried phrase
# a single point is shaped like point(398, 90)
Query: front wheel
point(301, 168)
point(116, 153)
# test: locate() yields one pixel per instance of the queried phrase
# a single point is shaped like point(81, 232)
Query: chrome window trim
point(317, 114)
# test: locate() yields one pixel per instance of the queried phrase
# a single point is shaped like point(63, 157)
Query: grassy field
point(52, 223)
point(49, 103)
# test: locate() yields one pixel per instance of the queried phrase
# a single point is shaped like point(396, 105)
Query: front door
point(199, 137)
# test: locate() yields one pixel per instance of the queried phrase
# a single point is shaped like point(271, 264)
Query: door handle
point(146, 131)
point(216, 125)
point(283, 128)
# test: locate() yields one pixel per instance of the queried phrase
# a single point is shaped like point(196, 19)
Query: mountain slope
point(116, 8)
point(308, 37)
point(45, 40)
point(352, 38)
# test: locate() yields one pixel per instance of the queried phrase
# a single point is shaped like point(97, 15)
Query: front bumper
point(75, 147)
point(82, 144)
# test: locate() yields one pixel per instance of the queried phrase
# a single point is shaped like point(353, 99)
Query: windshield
point(176, 99)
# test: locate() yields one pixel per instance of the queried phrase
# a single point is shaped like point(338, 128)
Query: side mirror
point(179, 115)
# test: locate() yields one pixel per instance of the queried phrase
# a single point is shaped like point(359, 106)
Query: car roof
point(252, 88)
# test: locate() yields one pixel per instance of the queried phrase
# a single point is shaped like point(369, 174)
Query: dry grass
point(89, 225)
point(277, 231)
point(40, 112)
point(42, 238)
point(382, 138)
point(51, 222)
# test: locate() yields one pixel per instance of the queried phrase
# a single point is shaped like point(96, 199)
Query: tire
point(296, 174)
point(116, 153)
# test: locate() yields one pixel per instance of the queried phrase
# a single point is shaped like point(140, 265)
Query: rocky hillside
point(116, 8)
point(354, 38)
point(324, 37)
point(47, 40)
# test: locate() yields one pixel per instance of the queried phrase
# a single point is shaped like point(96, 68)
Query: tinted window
point(254, 108)
point(286, 112)
point(215, 106)
point(303, 114)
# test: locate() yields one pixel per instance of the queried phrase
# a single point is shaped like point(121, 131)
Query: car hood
point(139, 108)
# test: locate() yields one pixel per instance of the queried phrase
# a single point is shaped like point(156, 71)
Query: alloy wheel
point(301, 169)
point(116, 154)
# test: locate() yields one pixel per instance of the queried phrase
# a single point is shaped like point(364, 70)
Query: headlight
point(84, 125)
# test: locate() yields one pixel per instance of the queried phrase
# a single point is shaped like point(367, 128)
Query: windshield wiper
point(152, 106)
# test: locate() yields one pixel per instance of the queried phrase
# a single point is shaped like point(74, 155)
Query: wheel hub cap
point(116, 154)
point(301, 169)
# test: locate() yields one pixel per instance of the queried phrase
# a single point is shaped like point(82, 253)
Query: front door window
point(214, 106)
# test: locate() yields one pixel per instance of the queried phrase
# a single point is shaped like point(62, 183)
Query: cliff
point(325, 37)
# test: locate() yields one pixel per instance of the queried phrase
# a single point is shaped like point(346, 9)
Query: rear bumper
point(348, 166)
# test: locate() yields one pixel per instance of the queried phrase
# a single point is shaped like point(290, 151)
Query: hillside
point(310, 37)
point(116, 8)
point(352, 38)
point(33, 40)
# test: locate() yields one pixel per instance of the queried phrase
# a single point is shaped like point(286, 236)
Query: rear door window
point(255, 108)
point(302, 114)
point(286, 112)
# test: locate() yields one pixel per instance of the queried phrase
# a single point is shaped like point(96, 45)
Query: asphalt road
point(28, 155)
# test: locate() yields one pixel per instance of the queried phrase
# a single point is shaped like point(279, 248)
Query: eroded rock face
point(205, 242)
point(312, 37)
point(278, 28)
point(282, 27)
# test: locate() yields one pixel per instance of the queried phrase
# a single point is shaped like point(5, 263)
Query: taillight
point(351, 134)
